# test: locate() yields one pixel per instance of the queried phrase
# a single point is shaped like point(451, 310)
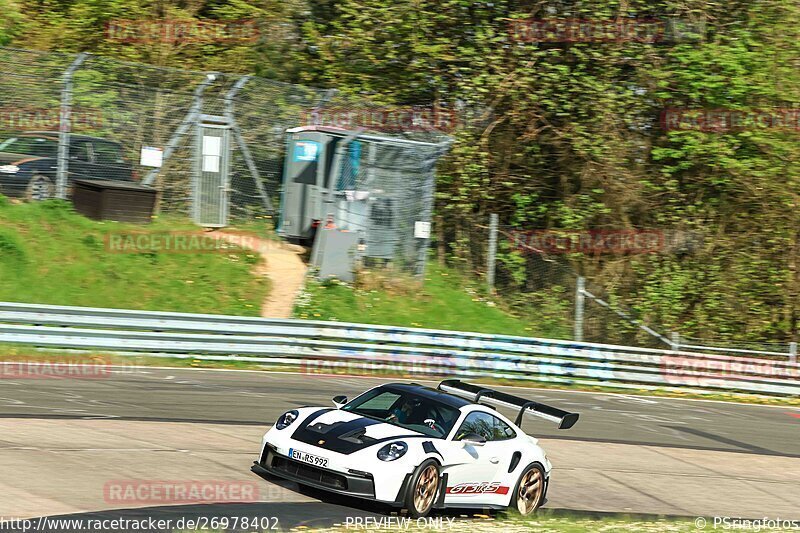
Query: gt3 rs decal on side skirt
point(484, 487)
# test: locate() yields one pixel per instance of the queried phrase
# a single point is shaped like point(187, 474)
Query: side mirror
point(473, 439)
point(339, 401)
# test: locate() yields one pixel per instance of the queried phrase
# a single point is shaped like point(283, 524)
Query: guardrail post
point(792, 352)
point(492, 257)
point(65, 127)
point(580, 302)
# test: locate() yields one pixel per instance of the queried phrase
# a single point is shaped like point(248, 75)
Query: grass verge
point(445, 301)
point(51, 255)
point(545, 520)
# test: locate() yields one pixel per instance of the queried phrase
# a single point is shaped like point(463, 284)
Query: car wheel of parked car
point(423, 489)
point(39, 188)
point(529, 492)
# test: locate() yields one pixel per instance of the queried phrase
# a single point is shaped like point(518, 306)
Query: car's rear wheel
point(529, 492)
point(39, 188)
point(423, 489)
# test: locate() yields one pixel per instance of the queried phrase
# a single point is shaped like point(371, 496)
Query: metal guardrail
point(324, 347)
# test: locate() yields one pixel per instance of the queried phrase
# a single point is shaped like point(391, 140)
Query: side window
point(79, 151)
point(502, 430)
point(107, 153)
point(487, 426)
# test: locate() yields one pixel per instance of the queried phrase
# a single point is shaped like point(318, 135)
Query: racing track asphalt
point(713, 434)
point(258, 398)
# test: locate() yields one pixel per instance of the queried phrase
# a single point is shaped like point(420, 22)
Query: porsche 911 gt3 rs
point(416, 447)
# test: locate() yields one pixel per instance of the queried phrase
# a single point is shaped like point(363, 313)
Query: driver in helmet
point(402, 413)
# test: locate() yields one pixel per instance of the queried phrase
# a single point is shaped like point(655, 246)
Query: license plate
point(307, 458)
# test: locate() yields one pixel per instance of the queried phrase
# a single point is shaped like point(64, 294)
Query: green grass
point(446, 300)
point(51, 255)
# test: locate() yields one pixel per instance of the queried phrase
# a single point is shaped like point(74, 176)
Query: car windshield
point(407, 410)
point(36, 146)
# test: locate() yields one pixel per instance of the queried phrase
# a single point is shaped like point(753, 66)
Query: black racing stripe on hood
point(316, 414)
point(341, 437)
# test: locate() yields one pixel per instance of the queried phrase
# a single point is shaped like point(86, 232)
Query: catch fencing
point(333, 347)
point(647, 287)
point(212, 144)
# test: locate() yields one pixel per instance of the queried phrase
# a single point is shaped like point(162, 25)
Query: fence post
point(675, 341)
point(243, 148)
point(492, 257)
point(189, 120)
point(580, 302)
point(429, 196)
point(792, 352)
point(65, 126)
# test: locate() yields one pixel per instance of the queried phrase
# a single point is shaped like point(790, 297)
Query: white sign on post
point(422, 230)
point(210, 163)
point(212, 153)
point(151, 156)
point(212, 145)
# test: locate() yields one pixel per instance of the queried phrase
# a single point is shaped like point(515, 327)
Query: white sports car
point(417, 448)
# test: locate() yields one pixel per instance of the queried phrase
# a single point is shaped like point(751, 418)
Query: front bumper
point(353, 483)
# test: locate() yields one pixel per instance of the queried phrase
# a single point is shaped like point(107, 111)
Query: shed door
point(211, 187)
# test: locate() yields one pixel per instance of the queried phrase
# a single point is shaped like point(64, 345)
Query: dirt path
point(283, 266)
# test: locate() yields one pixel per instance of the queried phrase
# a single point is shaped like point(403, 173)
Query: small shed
point(380, 188)
point(123, 201)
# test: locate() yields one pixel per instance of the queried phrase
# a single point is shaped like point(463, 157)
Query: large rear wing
point(478, 394)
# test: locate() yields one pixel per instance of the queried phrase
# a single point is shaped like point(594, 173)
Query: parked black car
point(28, 163)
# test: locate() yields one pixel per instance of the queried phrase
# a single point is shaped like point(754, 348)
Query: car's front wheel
point(529, 492)
point(39, 188)
point(423, 489)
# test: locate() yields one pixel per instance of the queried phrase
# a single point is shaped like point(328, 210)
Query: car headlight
point(392, 451)
point(286, 419)
point(9, 169)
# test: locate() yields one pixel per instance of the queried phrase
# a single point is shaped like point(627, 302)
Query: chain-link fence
point(388, 199)
point(595, 285)
point(212, 144)
point(94, 117)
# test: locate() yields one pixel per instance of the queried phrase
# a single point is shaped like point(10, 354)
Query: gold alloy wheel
point(530, 491)
point(425, 491)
